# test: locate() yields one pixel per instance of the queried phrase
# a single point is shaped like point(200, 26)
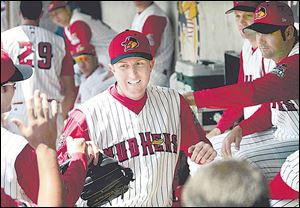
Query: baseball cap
point(129, 43)
point(84, 49)
point(55, 5)
point(11, 72)
point(271, 16)
point(246, 6)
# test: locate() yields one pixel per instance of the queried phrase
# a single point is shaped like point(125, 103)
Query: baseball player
point(155, 24)
point(277, 39)
point(284, 188)
point(143, 127)
point(252, 66)
point(46, 53)
point(94, 77)
point(81, 28)
point(19, 166)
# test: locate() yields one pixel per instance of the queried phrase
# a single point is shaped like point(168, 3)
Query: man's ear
point(111, 68)
point(289, 32)
point(152, 62)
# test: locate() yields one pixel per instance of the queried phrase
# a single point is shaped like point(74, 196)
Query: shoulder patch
point(279, 70)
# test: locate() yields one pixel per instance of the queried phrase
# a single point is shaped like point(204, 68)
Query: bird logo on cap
point(130, 43)
point(261, 13)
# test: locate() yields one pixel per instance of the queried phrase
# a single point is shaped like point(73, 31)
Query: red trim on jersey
point(133, 105)
point(28, 177)
point(259, 121)
point(153, 28)
point(280, 190)
point(269, 88)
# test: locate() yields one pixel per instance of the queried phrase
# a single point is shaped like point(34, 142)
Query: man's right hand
point(42, 125)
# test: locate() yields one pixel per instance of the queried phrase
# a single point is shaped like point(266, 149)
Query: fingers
point(226, 148)
point(191, 149)
point(203, 153)
point(93, 152)
point(19, 124)
point(37, 100)
point(30, 110)
point(54, 109)
point(45, 106)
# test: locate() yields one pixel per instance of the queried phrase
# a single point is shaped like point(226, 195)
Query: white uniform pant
point(19, 111)
point(261, 149)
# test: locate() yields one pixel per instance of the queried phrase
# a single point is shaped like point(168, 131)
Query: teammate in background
point(277, 39)
point(284, 188)
point(43, 50)
point(94, 77)
point(155, 25)
point(228, 183)
point(81, 28)
point(141, 126)
point(252, 66)
point(20, 167)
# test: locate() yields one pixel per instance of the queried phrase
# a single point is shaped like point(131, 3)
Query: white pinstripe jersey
point(253, 69)
point(101, 35)
point(163, 56)
point(285, 115)
point(290, 171)
point(41, 49)
point(11, 146)
point(148, 143)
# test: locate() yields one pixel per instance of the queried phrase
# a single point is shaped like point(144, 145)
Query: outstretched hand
point(42, 127)
point(202, 153)
point(235, 136)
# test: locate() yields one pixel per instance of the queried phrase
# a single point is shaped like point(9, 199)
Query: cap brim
point(23, 72)
point(136, 54)
point(261, 28)
point(241, 8)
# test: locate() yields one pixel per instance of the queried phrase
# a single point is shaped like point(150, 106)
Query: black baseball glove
point(104, 182)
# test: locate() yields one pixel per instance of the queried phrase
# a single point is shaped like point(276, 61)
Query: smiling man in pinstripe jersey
point(142, 126)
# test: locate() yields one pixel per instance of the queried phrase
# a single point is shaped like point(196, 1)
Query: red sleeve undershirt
point(269, 88)
point(28, 176)
point(153, 28)
point(231, 115)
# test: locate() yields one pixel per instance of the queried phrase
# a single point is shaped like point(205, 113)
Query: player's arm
point(153, 28)
point(282, 83)
point(193, 139)
point(231, 115)
point(68, 85)
point(81, 32)
point(259, 121)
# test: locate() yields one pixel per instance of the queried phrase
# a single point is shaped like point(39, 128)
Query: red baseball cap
point(129, 43)
point(11, 72)
point(270, 16)
point(84, 49)
point(246, 6)
point(55, 5)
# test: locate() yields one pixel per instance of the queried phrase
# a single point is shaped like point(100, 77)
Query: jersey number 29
point(44, 52)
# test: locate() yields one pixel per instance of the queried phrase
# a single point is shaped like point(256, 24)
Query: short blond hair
point(231, 182)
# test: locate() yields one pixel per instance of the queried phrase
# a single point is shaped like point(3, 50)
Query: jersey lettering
point(44, 52)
